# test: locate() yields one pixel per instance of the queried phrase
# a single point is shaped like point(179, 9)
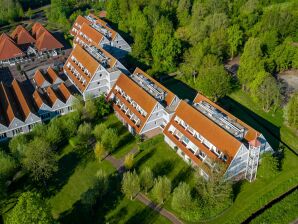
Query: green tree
point(234, 39)
point(84, 134)
point(284, 55)
point(110, 139)
point(161, 189)
point(265, 90)
point(250, 62)
point(99, 151)
point(99, 131)
point(17, 145)
point(213, 81)
point(129, 161)
point(30, 208)
point(113, 11)
point(165, 47)
point(183, 12)
point(103, 106)
point(130, 184)
point(40, 160)
point(90, 108)
point(29, 13)
point(8, 166)
point(54, 133)
point(291, 112)
point(146, 179)
point(183, 203)
point(99, 189)
point(78, 104)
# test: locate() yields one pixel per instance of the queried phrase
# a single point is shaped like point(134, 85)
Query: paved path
point(118, 164)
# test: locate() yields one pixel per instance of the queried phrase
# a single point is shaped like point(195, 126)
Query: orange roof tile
point(137, 93)
point(170, 96)
point(220, 138)
point(51, 95)
point(250, 134)
point(22, 36)
point(64, 91)
point(38, 99)
point(8, 49)
point(9, 104)
point(52, 74)
point(94, 35)
point(105, 25)
point(74, 79)
point(23, 102)
point(39, 78)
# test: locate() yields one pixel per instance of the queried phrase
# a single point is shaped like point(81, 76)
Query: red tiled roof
point(64, 91)
point(39, 78)
point(170, 96)
point(51, 95)
point(220, 138)
point(44, 39)
point(251, 133)
point(22, 36)
point(8, 49)
point(94, 35)
point(105, 25)
point(23, 102)
point(52, 74)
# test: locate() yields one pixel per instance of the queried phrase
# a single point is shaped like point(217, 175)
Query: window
point(2, 136)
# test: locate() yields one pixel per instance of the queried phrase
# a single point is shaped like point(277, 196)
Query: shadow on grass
point(147, 215)
point(80, 213)
point(66, 166)
point(163, 168)
point(144, 158)
point(236, 189)
point(183, 176)
point(116, 218)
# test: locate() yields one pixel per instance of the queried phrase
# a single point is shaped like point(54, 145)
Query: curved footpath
point(118, 164)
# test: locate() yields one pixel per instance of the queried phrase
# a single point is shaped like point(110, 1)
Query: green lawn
point(285, 211)
point(77, 174)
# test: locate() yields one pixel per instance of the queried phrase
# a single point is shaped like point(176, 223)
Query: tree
point(146, 179)
point(29, 13)
point(84, 133)
point(250, 62)
point(130, 184)
point(161, 189)
point(30, 208)
point(99, 131)
point(110, 139)
point(78, 104)
point(17, 145)
point(113, 11)
point(54, 133)
point(183, 12)
point(183, 203)
point(99, 151)
point(129, 161)
point(103, 106)
point(165, 47)
point(234, 39)
point(268, 166)
point(213, 81)
point(90, 108)
point(291, 112)
point(284, 55)
point(40, 160)
point(265, 91)
point(98, 190)
point(8, 166)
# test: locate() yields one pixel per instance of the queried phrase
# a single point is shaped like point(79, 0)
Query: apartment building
point(91, 30)
point(204, 133)
point(21, 44)
point(17, 114)
point(142, 104)
point(92, 70)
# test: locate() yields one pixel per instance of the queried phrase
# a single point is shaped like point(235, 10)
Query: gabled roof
point(64, 91)
point(169, 97)
point(39, 99)
point(251, 133)
point(52, 96)
point(22, 36)
point(105, 25)
point(81, 20)
point(94, 35)
point(44, 39)
point(220, 138)
point(52, 75)
point(137, 93)
point(24, 104)
point(8, 48)
point(9, 104)
point(39, 78)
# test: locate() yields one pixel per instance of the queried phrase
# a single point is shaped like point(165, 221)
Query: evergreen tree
point(146, 179)
point(162, 189)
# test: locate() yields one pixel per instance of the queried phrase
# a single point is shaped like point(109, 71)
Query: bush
point(129, 161)
point(110, 139)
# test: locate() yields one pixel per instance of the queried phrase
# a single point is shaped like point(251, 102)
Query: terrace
point(149, 86)
point(98, 55)
point(99, 27)
point(220, 118)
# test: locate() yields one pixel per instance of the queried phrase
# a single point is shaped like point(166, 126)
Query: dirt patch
point(291, 78)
